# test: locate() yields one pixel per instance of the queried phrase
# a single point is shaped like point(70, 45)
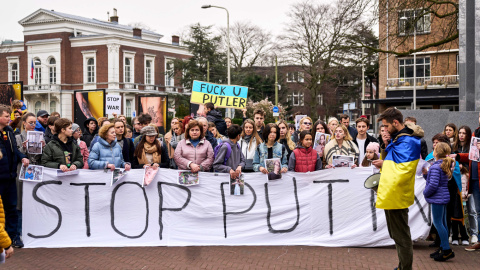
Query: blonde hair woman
point(332, 125)
point(341, 144)
point(285, 137)
point(305, 123)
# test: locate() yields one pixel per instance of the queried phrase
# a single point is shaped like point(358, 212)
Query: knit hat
point(75, 127)
point(375, 147)
point(148, 131)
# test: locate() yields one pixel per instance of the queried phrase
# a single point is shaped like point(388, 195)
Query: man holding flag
point(397, 182)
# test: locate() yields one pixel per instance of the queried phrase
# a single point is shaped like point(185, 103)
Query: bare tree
point(316, 38)
point(249, 44)
point(399, 18)
point(141, 25)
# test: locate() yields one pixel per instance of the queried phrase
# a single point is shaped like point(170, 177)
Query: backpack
point(229, 151)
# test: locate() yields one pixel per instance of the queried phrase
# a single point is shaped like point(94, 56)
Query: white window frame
point(128, 109)
point(35, 106)
point(54, 107)
point(37, 73)
point(405, 65)
point(170, 79)
point(424, 22)
point(52, 67)
point(151, 58)
point(86, 56)
point(11, 61)
point(296, 76)
point(131, 56)
point(300, 98)
point(301, 77)
point(320, 99)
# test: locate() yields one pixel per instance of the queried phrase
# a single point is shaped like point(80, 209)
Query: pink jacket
point(85, 153)
point(201, 155)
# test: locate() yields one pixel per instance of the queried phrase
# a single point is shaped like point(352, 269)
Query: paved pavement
point(241, 257)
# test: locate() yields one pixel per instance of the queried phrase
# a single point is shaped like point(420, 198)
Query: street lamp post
point(414, 60)
point(228, 48)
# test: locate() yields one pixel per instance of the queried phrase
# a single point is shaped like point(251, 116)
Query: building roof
point(60, 16)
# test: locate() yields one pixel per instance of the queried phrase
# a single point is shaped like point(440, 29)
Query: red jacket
point(463, 158)
point(305, 159)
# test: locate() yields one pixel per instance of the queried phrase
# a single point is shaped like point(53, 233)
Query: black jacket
point(215, 116)
point(424, 149)
point(367, 141)
point(48, 135)
point(11, 155)
point(353, 131)
point(128, 150)
point(209, 137)
point(87, 137)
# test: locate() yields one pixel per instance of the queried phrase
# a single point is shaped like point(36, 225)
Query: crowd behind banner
point(214, 143)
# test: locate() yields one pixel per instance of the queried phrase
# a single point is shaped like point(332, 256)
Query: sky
point(165, 17)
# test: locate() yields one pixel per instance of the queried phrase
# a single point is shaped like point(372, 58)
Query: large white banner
point(325, 208)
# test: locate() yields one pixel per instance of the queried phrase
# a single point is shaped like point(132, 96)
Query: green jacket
point(53, 155)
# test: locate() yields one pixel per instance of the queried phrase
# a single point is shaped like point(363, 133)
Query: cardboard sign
point(113, 104)
point(222, 96)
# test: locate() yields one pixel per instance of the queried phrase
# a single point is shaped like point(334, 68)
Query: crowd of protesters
point(214, 143)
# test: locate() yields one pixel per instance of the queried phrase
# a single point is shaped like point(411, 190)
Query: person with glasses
point(29, 121)
point(306, 123)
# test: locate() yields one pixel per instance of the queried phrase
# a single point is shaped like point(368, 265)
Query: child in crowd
point(228, 154)
point(304, 158)
point(436, 193)
point(372, 153)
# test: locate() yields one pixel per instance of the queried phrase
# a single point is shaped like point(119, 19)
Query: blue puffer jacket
point(261, 153)
point(103, 152)
point(436, 188)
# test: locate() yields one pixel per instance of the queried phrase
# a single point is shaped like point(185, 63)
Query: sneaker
point(455, 242)
point(17, 243)
point(465, 243)
point(474, 239)
point(473, 247)
point(444, 255)
point(435, 253)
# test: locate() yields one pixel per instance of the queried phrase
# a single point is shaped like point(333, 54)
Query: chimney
point(175, 40)
point(137, 32)
point(114, 18)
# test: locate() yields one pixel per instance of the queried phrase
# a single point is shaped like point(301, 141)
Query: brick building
point(70, 52)
point(437, 80)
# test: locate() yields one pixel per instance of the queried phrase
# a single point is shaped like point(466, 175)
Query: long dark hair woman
point(125, 144)
point(149, 151)
point(464, 138)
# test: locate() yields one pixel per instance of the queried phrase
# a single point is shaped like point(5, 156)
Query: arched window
point(38, 71)
point(90, 70)
point(53, 71)
point(128, 69)
point(53, 106)
point(38, 106)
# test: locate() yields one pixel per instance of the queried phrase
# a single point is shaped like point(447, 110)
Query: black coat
point(367, 141)
point(87, 137)
point(11, 155)
point(215, 116)
point(128, 150)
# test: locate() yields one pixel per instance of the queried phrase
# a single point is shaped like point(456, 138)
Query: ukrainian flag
point(397, 182)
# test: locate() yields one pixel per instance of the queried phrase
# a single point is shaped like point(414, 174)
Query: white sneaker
point(474, 239)
point(465, 243)
point(455, 242)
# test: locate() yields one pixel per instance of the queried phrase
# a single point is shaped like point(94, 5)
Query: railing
point(126, 86)
point(425, 82)
point(42, 87)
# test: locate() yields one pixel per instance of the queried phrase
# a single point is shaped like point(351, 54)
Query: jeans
point(397, 224)
point(476, 197)
point(472, 216)
point(8, 191)
point(439, 215)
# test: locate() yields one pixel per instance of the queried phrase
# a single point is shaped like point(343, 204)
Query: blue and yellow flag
point(397, 182)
